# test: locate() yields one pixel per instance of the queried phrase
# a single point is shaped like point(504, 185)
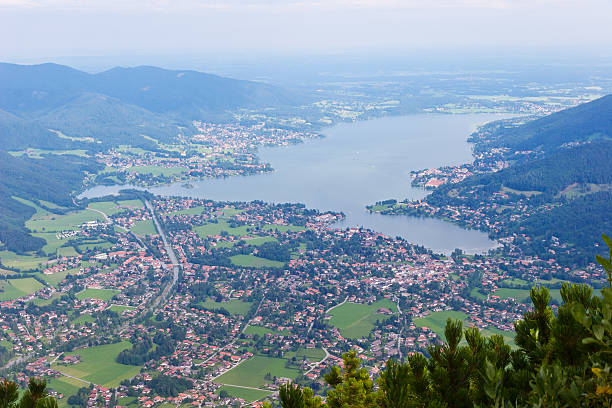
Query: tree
point(351, 386)
point(9, 393)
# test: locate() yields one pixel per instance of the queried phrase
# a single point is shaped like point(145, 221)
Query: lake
point(355, 165)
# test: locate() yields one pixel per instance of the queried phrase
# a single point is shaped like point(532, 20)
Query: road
point(169, 251)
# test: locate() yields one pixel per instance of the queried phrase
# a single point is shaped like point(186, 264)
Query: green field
point(283, 228)
point(233, 306)
point(247, 394)
point(255, 261)
point(67, 386)
point(84, 318)
point(436, 321)
point(56, 278)
point(356, 320)
point(251, 373)
point(103, 294)
point(16, 288)
point(259, 330)
point(145, 227)
point(212, 229)
point(21, 262)
point(136, 203)
point(314, 354)
point(55, 222)
point(107, 207)
point(98, 365)
point(34, 153)
point(257, 241)
point(522, 295)
point(158, 170)
point(119, 309)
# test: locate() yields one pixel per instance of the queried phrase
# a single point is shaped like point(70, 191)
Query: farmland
point(255, 261)
point(98, 365)
point(233, 306)
point(16, 288)
point(247, 394)
point(356, 320)
point(252, 372)
point(103, 294)
point(145, 227)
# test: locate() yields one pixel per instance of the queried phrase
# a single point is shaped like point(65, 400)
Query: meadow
point(144, 227)
point(313, 354)
point(247, 394)
point(436, 321)
point(16, 288)
point(103, 294)
point(255, 261)
point(283, 228)
point(22, 262)
point(356, 320)
point(234, 306)
point(212, 229)
point(98, 365)
point(252, 372)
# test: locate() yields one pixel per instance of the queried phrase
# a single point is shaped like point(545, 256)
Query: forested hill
point(33, 88)
point(585, 122)
point(118, 106)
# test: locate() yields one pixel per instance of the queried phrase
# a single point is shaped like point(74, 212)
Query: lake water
point(355, 165)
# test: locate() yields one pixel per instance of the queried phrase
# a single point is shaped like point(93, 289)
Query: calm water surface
point(355, 165)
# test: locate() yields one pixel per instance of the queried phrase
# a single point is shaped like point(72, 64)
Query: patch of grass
point(252, 372)
point(188, 211)
point(259, 330)
point(356, 320)
point(520, 295)
point(84, 318)
point(212, 229)
point(107, 207)
point(247, 394)
point(119, 309)
point(103, 294)
point(70, 221)
point(67, 251)
point(158, 170)
point(234, 306)
point(22, 262)
point(136, 203)
point(436, 321)
point(16, 288)
point(144, 227)
point(257, 241)
point(98, 365)
point(478, 294)
point(39, 210)
point(314, 354)
point(513, 281)
point(65, 385)
point(283, 228)
point(58, 277)
point(255, 261)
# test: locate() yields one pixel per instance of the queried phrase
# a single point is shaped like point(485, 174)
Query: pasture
point(356, 320)
point(144, 227)
point(252, 372)
point(247, 394)
point(283, 228)
point(313, 354)
point(436, 321)
point(158, 170)
point(22, 262)
point(98, 365)
point(55, 222)
point(252, 261)
point(234, 306)
point(102, 294)
point(16, 288)
point(215, 228)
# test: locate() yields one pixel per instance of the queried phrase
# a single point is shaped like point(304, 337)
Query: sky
point(32, 29)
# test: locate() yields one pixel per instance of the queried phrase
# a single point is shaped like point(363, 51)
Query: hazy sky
point(47, 28)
